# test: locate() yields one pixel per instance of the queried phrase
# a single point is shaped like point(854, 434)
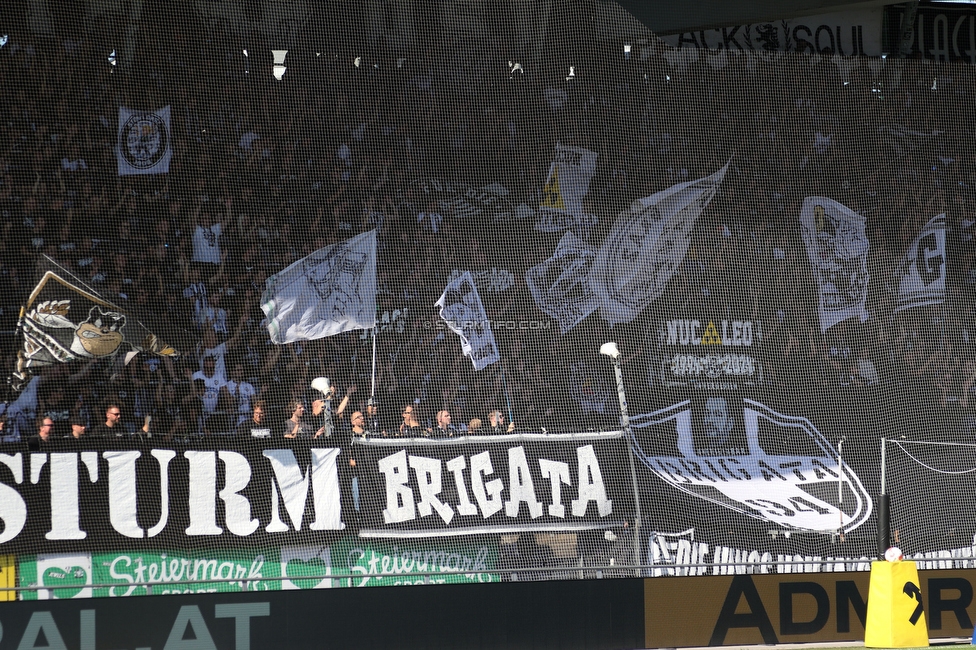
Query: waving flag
point(559, 285)
point(333, 290)
point(462, 310)
point(921, 276)
point(65, 320)
point(145, 145)
point(838, 250)
point(568, 181)
point(647, 243)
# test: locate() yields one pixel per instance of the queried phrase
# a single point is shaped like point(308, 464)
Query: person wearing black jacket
point(496, 424)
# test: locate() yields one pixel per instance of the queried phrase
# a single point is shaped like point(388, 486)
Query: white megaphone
point(321, 384)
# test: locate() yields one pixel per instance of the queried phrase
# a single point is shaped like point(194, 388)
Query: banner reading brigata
point(497, 484)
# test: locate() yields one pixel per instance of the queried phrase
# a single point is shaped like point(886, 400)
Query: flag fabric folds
point(838, 249)
point(462, 310)
point(646, 245)
point(559, 285)
point(921, 276)
point(145, 143)
point(65, 320)
point(562, 195)
point(331, 291)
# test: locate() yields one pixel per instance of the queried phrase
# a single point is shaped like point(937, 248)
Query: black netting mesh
point(329, 305)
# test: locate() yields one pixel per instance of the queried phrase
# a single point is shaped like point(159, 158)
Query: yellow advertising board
point(8, 577)
point(790, 608)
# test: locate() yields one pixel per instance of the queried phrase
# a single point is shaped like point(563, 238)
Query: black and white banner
point(145, 143)
point(710, 353)
point(68, 496)
point(851, 33)
point(838, 249)
point(463, 201)
point(921, 276)
point(749, 459)
point(462, 310)
point(942, 32)
point(496, 484)
point(568, 182)
point(560, 285)
point(647, 243)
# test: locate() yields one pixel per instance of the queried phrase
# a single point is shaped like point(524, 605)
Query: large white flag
point(921, 276)
point(560, 286)
point(562, 196)
point(462, 310)
point(647, 243)
point(144, 144)
point(838, 250)
point(333, 290)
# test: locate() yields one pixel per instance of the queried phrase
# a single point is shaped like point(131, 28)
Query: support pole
point(625, 425)
point(884, 509)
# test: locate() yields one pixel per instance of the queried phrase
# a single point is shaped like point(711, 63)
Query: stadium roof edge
point(664, 18)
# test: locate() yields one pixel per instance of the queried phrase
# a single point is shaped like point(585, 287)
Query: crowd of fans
point(266, 171)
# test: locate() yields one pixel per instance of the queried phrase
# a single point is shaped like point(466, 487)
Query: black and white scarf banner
point(560, 285)
point(120, 494)
point(144, 143)
point(462, 310)
point(493, 484)
point(921, 276)
point(838, 249)
point(646, 245)
point(493, 280)
point(463, 201)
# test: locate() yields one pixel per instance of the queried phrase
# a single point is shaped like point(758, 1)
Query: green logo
point(74, 578)
point(299, 570)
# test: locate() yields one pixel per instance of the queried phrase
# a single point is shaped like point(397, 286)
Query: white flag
point(144, 144)
point(333, 290)
point(462, 310)
point(838, 250)
point(562, 196)
point(560, 286)
point(921, 276)
point(647, 243)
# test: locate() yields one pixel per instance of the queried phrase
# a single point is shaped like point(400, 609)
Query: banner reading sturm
point(497, 484)
point(111, 494)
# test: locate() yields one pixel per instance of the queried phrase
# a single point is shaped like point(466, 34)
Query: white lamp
point(279, 63)
point(610, 349)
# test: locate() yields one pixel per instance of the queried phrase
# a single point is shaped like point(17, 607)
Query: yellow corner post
point(896, 618)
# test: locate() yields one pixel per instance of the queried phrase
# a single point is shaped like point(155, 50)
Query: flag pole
point(508, 403)
point(372, 387)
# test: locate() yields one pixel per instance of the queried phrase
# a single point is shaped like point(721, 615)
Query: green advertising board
point(349, 562)
point(375, 563)
point(80, 575)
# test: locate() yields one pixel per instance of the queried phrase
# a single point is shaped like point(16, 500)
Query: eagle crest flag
point(145, 143)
